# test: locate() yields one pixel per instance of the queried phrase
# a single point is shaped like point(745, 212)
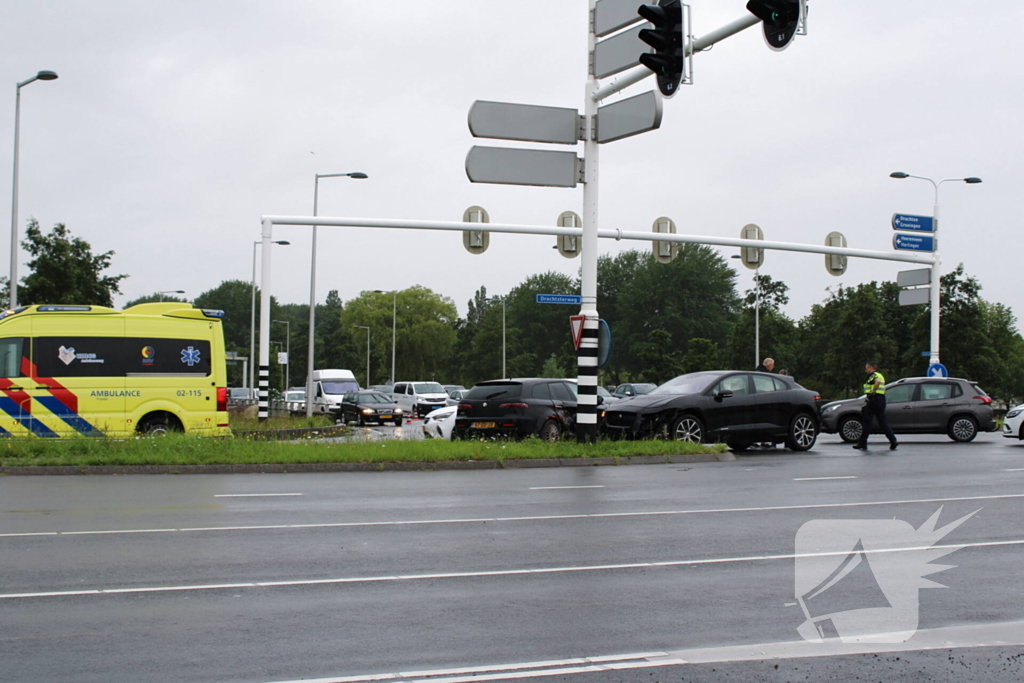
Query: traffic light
point(668, 41)
point(780, 19)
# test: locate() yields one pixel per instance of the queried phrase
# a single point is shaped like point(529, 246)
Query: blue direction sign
point(902, 221)
point(559, 299)
point(913, 242)
point(937, 370)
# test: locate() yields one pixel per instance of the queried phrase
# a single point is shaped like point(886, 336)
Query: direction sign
point(902, 221)
point(522, 167)
point(937, 370)
point(532, 123)
point(914, 278)
point(913, 297)
point(619, 52)
point(604, 343)
point(913, 242)
point(631, 116)
point(559, 299)
point(611, 15)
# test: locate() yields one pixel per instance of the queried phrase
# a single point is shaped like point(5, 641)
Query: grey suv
point(919, 405)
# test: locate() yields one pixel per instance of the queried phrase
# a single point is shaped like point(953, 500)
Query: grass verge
point(175, 449)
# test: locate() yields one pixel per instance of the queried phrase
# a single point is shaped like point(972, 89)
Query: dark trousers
point(875, 409)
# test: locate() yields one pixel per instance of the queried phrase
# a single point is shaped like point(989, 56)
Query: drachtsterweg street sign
point(913, 242)
point(902, 221)
point(559, 299)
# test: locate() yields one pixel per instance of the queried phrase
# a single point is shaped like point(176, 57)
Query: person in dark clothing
point(874, 408)
point(766, 365)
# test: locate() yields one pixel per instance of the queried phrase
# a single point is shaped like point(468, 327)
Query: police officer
point(874, 407)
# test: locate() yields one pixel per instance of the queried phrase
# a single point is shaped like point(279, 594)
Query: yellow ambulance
point(95, 371)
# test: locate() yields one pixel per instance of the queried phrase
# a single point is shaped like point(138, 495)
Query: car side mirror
point(600, 400)
point(723, 394)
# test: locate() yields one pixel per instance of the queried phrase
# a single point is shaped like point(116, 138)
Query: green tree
point(534, 331)
point(657, 359)
point(154, 298)
point(703, 354)
point(775, 332)
point(63, 270)
point(234, 297)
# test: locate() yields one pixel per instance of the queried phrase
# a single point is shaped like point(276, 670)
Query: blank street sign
point(914, 278)
point(620, 52)
point(532, 123)
point(912, 297)
point(522, 167)
point(611, 15)
point(628, 117)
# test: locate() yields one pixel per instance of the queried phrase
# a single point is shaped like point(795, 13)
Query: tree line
point(666, 319)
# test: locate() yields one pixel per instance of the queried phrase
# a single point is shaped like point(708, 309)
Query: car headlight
point(829, 409)
point(398, 410)
point(1015, 412)
point(368, 411)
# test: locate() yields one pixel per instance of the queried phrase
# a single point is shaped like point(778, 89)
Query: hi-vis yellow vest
point(869, 384)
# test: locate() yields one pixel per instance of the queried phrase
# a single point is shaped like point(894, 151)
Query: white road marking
point(476, 520)
point(949, 637)
point(845, 476)
point(1016, 469)
point(506, 572)
point(254, 495)
point(551, 488)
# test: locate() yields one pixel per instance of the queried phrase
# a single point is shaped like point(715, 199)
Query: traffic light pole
point(586, 358)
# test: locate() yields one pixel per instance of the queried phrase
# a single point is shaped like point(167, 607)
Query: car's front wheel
point(687, 428)
point(803, 432)
point(851, 429)
point(963, 428)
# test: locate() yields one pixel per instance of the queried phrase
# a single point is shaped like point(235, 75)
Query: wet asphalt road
point(582, 574)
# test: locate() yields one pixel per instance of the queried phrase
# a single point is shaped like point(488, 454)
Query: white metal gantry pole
point(586, 359)
point(264, 369)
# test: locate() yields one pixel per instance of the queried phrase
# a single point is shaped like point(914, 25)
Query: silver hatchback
point(919, 405)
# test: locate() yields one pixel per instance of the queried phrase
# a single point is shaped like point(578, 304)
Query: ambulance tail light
point(222, 399)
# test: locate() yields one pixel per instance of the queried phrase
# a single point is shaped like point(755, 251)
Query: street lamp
point(287, 352)
point(757, 313)
point(312, 283)
point(936, 274)
point(367, 328)
point(503, 345)
point(170, 291)
point(394, 327)
point(41, 76)
point(252, 311)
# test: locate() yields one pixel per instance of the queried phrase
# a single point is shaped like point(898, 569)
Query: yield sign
point(576, 323)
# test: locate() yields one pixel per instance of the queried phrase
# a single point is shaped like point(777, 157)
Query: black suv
point(517, 408)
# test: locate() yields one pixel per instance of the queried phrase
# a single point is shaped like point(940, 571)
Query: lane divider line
point(507, 572)
point(537, 518)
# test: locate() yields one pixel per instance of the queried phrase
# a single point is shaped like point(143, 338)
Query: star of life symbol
point(190, 356)
point(857, 580)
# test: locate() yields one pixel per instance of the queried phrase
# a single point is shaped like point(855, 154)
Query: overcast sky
point(175, 125)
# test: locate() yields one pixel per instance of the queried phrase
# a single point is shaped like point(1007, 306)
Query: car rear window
point(488, 392)
point(981, 392)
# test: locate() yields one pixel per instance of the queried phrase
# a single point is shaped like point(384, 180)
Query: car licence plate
point(483, 425)
point(385, 417)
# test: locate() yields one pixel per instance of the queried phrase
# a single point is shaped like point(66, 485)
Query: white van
point(419, 398)
point(329, 387)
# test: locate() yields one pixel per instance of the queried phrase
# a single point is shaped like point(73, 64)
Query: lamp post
point(41, 76)
point(287, 352)
point(367, 328)
point(394, 327)
point(252, 311)
point(170, 291)
point(757, 313)
point(503, 345)
point(312, 283)
point(936, 276)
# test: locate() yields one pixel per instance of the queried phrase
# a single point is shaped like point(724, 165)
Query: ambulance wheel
point(158, 424)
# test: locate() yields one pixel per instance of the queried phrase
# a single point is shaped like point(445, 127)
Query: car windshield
point(295, 396)
point(693, 383)
point(339, 387)
point(643, 388)
point(374, 398)
point(488, 392)
point(603, 393)
point(427, 388)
